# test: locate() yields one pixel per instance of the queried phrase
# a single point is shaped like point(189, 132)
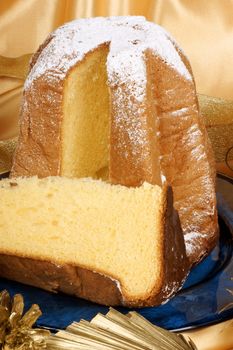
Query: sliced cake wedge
point(106, 243)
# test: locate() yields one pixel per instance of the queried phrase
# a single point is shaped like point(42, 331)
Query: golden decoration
point(218, 115)
point(118, 332)
point(111, 331)
point(7, 149)
point(16, 332)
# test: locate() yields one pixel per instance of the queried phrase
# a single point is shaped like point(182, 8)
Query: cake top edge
point(129, 37)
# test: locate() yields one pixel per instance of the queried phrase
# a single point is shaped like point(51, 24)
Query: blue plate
point(206, 298)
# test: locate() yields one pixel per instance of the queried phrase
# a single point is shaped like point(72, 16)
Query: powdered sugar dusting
point(191, 239)
point(164, 47)
point(128, 37)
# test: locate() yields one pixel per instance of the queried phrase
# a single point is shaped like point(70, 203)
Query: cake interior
point(88, 223)
point(85, 125)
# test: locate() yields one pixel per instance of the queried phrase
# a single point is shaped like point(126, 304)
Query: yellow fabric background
point(203, 28)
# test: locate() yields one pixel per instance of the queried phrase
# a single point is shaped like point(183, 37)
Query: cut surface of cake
point(114, 98)
point(130, 236)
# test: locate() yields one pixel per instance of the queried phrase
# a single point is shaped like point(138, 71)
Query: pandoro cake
point(107, 243)
point(115, 99)
point(110, 129)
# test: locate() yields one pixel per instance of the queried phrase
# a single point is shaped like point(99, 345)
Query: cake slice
point(107, 243)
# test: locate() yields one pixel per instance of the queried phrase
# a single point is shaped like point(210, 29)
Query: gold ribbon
point(218, 116)
point(14, 67)
point(217, 113)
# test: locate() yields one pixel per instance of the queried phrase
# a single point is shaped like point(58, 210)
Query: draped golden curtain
point(203, 28)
